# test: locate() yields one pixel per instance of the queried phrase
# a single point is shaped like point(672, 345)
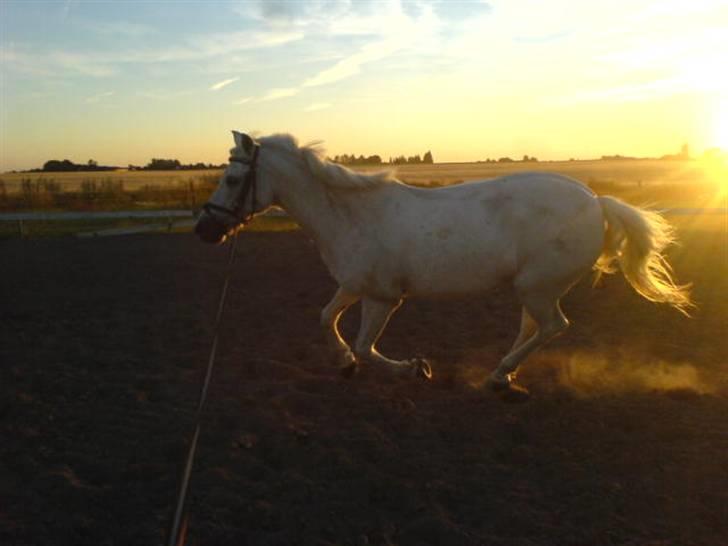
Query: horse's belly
point(450, 274)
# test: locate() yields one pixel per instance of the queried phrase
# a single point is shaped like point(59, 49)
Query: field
point(131, 180)
point(103, 345)
point(659, 181)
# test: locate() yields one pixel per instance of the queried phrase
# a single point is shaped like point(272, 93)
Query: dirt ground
point(104, 342)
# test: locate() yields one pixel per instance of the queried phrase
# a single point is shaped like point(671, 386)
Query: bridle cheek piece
point(249, 186)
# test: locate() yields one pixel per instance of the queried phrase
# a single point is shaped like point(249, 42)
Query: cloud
point(352, 65)
point(279, 93)
point(317, 106)
point(242, 100)
point(461, 10)
point(395, 30)
point(99, 97)
point(219, 85)
point(164, 95)
point(204, 46)
point(300, 14)
point(109, 63)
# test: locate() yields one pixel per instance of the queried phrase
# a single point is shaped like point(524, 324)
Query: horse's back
point(473, 235)
point(557, 225)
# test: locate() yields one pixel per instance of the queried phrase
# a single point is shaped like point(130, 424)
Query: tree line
point(353, 159)
point(525, 159)
point(160, 164)
point(156, 164)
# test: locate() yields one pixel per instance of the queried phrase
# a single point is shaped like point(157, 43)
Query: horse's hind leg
point(528, 328)
point(549, 321)
point(374, 317)
point(330, 315)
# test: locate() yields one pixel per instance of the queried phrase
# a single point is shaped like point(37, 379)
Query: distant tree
point(505, 160)
point(427, 158)
point(346, 159)
point(163, 165)
point(55, 165)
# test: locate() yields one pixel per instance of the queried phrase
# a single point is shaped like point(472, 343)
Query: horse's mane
point(331, 174)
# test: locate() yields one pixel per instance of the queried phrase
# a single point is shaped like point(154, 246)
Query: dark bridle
point(249, 182)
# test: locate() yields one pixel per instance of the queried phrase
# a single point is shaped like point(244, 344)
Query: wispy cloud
point(317, 106)
point(99, 97)
point(352, 64)
point(392, 30)
point(279, 93)
point(164, 95)
point(108, 63)
point(219, 85)
point(242, 100)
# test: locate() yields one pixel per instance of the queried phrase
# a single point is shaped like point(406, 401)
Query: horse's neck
point(307, 200)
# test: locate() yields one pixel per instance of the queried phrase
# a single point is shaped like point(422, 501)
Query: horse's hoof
point(515, 394)
point(349, 370)
point(498, 385)
point(422, 369)
point(342, 359)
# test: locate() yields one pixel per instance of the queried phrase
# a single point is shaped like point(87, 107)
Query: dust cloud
point(590, 373)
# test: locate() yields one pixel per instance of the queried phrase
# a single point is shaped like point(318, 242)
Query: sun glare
point(720, 128)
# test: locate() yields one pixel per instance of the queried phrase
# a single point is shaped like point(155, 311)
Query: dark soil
point(104, 343)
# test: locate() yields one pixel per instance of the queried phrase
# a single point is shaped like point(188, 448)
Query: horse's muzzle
point(209, 229)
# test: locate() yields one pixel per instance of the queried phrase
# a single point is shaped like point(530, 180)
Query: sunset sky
point(122, 82)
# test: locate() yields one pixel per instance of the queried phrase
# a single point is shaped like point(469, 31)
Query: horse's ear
point(243, 141)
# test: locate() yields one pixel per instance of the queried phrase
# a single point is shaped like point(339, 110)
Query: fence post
point(21, 228)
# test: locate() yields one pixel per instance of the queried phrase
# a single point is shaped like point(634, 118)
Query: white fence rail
point(175, 218)
point(163, 219)
point(29, 216)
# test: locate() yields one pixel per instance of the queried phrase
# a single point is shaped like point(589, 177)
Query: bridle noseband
point(249, 186)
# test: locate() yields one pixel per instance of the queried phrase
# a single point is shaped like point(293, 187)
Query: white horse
point(383, 240)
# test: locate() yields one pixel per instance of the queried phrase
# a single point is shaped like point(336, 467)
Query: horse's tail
point(636, 238)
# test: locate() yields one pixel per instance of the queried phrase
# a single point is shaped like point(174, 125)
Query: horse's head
point(239, 194)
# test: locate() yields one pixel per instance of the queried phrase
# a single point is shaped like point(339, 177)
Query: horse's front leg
point(340, 351)
point(374, 317)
